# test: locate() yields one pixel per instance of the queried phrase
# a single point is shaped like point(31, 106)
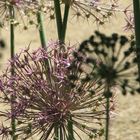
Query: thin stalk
point(41, 30)
point(107, 119)
point(12, 50)
point(65, 20)
point(58, 17)
point(107, 94)
point(70, 129)
point(56, 132)
point(12, 45)
point(61, 134)
point(136, 6)
point(63, 34)
point(43, 38)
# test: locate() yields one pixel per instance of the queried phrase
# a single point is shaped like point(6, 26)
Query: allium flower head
point(96, 10)
point(22, 11)
point(47, 97)
point(115, 60)
point(5, 9)
point(25, 10)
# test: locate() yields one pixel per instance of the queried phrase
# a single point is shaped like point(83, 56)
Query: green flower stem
point(63, 34)
point(70, 129)
point(41, 30)
point(43, 38)
point(107, 94)
point(65, 20)
point(12, 49)
point(136, 6)
point(107, 119)
point(61, 29)
point(58, 17)
point(61, 134)
point(56, 132)
point(12, 46)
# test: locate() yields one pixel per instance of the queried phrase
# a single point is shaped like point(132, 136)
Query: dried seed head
point(117, 62)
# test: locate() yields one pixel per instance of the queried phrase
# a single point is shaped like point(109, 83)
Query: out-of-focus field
point(126, 124)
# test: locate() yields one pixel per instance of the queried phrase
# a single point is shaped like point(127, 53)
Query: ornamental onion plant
point(58, 91)
point(47, 102)
point(112, 61)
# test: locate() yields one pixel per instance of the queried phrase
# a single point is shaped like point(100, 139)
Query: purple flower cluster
point(44, 96)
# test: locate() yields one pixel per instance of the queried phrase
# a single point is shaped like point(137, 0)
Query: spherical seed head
point(44, 98)
point(117, 61)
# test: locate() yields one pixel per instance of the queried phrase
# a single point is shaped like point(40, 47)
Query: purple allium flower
point(49, 96)
point(23, 11)
point(18, 9)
